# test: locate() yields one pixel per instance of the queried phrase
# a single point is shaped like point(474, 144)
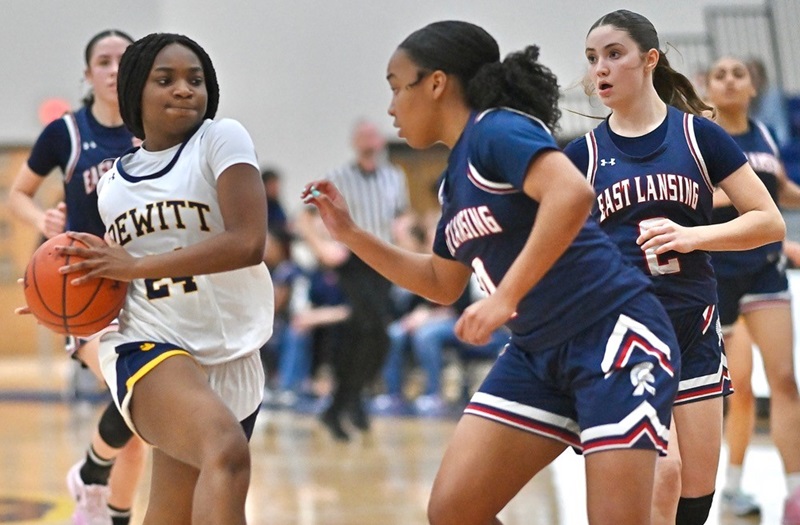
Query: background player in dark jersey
point(83, 144)
point(654, 166)
point(753, 284)
point(592, 361)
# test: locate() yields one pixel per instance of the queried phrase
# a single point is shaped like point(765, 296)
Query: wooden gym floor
point(300, 475)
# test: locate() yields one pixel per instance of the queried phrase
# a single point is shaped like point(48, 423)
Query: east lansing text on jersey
point(646, 188)
point(470, 223)
point(161, 215)
point(93, 174)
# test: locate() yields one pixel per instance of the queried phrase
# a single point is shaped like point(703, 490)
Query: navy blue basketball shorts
point(766, 288)
point(610, 387)
point(704, 367)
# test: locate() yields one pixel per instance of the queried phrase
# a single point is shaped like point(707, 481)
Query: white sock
point(102, 462)
point(733, 479)
point(792, 482)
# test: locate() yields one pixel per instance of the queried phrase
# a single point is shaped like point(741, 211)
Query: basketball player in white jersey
point(185, 217)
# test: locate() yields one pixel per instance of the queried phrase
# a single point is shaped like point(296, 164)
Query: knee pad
point(113, 429)
point(694, 511)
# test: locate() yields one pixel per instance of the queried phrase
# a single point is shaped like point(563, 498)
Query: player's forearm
point(750, 230)
point(224, 252)
point(410, 270)
point(25, 209)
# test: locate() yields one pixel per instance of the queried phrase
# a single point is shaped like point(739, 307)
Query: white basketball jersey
point(155, 202)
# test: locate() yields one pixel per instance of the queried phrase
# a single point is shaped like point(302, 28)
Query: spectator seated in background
point(277, 257)
point(430, 342)
point(311, 307)
point(427, 330)
point(315, 330)
point(415, 313)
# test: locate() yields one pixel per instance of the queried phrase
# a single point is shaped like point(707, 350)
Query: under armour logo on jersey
point(642, 379)
point(608, 162)
point(89, 145)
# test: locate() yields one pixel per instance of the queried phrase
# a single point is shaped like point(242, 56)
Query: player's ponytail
point(519, 82)
point(677, 90)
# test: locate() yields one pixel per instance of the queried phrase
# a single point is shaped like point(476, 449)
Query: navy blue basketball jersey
point(84, 149)
point(763, 156)
point(487, 218)
point(673, 179)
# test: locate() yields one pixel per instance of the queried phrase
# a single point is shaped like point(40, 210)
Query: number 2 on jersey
point(653, 264)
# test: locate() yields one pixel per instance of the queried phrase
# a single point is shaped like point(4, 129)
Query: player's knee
point(135, 450)
point(667, 489)
point(450, 506)
point(783, 383)
point(439, 514)
point(232, 454)
point(668, 476)
point(112, 428)
point(694, 511)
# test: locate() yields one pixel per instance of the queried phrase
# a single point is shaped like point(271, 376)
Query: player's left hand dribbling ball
point(65, 308)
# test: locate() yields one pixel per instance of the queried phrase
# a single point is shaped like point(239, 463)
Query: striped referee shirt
point(375, 198)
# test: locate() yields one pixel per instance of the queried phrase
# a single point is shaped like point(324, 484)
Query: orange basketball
point(65, 308)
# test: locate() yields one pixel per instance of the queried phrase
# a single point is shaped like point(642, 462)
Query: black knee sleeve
point(694, 511)
point(112, 427)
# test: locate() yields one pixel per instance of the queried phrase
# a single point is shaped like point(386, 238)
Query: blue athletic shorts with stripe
point(610, 387)
point(704, 367)
point(239, 383)
point(764, 288)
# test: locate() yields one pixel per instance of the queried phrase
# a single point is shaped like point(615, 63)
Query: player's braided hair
point(134, 70)
point(472, 55)
point(88, 100)
point(672, 87)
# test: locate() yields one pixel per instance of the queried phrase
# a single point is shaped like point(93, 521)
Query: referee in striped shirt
point(377, 196)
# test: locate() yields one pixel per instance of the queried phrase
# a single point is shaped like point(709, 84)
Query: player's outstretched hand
point(102, 258)
point(332, 207)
